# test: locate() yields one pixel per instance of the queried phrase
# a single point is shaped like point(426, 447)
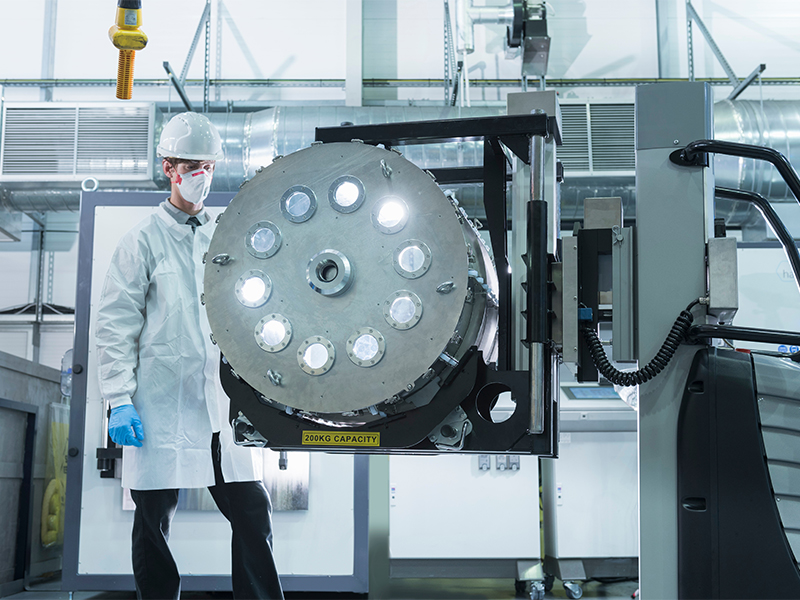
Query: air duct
point(597, 155)
point(253, 140)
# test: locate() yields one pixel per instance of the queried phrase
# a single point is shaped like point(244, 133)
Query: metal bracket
point(451, 433)
point(244, 434)
point(682, 158)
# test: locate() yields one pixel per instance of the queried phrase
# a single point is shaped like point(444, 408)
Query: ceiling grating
point(598, 139)
point(70, 142)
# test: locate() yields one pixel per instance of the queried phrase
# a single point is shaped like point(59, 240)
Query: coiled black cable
point(677, 334)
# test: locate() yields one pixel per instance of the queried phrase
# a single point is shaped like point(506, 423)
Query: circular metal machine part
point(368, 291)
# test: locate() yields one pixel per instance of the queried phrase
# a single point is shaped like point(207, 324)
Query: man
point(159, 372)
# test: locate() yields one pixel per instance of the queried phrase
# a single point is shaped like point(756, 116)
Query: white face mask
point(194, 185)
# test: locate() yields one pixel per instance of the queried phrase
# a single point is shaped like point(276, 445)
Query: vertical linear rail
point(206, 54)
point(494, 194)
point(689, 45)
point(537, 292)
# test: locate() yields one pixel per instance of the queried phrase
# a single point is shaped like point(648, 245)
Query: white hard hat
point(192, 136)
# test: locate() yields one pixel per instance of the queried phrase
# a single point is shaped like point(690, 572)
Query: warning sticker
point(329, 438)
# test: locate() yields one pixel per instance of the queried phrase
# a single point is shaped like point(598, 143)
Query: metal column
point(674, 212)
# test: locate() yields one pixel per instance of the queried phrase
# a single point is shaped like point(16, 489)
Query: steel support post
point(48, 48)
point(354, 50)
point(674, 219)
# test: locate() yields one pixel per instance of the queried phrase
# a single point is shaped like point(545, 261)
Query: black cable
point(771, 217)
point(677, 334)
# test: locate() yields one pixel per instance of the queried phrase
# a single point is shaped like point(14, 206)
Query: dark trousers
point(247, 507)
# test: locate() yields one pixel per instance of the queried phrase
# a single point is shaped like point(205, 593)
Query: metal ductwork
point(773, 123)
point(598, 153)
point(252, 140)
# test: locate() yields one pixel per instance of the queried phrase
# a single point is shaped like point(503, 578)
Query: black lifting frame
point(513, 132)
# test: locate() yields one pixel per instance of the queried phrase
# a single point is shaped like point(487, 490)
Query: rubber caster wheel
point(520, 589)
point(549, 580)
point(537, 590)
point(573, 590)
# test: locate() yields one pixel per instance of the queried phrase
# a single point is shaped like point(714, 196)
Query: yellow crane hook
point(125, 35)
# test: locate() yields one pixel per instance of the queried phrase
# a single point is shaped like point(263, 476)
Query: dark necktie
point(194, 222)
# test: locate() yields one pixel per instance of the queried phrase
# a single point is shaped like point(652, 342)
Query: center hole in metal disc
point(327, 271)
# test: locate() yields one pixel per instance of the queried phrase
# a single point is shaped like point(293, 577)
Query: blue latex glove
point(125, 426)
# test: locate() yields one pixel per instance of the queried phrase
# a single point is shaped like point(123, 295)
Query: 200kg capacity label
point(323, 438)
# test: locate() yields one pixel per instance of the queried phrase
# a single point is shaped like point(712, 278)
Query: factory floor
point(398, 589)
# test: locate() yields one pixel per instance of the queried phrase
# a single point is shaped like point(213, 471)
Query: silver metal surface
point(723, 278)
point(329, 273)
point(602, 213)
point(674, 220)
point(537, 167)
point(776, 125)
point(409, 352)
point(538, 354)
point(569, 250)
point(745, 83)
point(622, 286)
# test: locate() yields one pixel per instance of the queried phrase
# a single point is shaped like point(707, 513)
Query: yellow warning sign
point(331, 438)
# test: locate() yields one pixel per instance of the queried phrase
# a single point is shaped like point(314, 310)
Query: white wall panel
point(15, 339)
point(56, 340)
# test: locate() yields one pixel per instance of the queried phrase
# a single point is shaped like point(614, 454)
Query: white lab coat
point(154, 351)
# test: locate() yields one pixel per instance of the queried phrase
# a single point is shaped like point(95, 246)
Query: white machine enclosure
point(100, 530)
point(488, 523)
point(590, 493)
